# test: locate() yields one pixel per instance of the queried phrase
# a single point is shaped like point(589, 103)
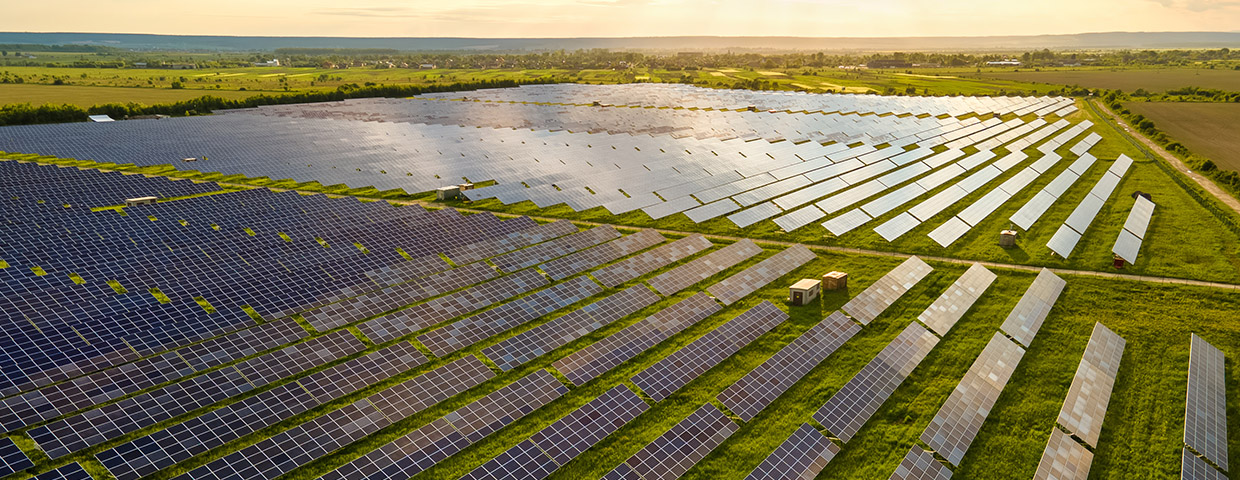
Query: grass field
point(232, 81)
point(1128, 80)
point(87, 96)
point(1207, 129)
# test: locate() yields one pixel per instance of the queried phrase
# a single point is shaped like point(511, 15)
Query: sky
point(619, 18)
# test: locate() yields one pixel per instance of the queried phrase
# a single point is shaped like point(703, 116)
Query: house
point(139, 64)
point(1007, 62)
point(427, 66)
point(270, 63)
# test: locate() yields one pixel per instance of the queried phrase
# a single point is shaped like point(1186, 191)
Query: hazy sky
point(617, 18)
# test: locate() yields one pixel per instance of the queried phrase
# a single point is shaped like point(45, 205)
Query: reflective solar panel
point(712, 210)
point(1064, 241)
point(799, 218)
point(849, 409)
point(704, 267)
point(1205, 418)
point(12, 459)
point(1026, 318)
point(676, 370)
point(946, 310)
point(875, 299)
point(805, 453)
point(1086, 404)
point(1127, 246)
point(761, 386)
point(679, 449)
point(956, 424)
point(756, 214)
point(1138, 220)
point(1121, 166)
point(641, 264)
point(846, 222)
point(72, 471)
point(949, 231)
point(1033, 210)
point(919, 464)
point(581, 261)
point(736, 287)
point(1063, 459)
point(1194, 468)
point(897, 226)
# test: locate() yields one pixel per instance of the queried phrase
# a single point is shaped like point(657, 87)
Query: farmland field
point(1207, 129)
point(88, 96)
point(1152, 80)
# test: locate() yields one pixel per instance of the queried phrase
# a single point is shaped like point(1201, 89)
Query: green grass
point(86, 96)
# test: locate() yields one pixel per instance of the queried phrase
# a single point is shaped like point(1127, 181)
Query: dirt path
point(1175, 162)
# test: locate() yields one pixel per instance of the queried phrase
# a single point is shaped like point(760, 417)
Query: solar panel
point(1086, 404)
point(805, 453)
point(1033, 210)
point(671, 207)
point(949, 231)
point(704, 267)
point(1194, 468)
point(533, 255)
point(1064, 241)
point(896, 227)
point(422, 448)
point(527, 345)
point(983, 207)
point(676, 370)
point(919, 464)
point(712, 210)
point(736, 287)
point(875, 299)
point(1127, 246)
point(638, 265)
point(581, 261)
point(1205, 417)
point(846, 222)
point(1027, 316)
point(1138, 220)
point(1084, 213)
point(848, 410)
point(959, 297)
point(12, 458)
point(1063, 459)
point(593, 360)
point(956, 424)
point(1121, 166)
point(799, 218)
point(679, 449)
point(755, 214)
point(563, 440)
point(72, 471)
point(762, 385)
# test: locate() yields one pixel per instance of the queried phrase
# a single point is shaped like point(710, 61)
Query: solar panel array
point(1042, 201)
point(952, 304)
point(757, 389)
point(563, 440)
point(701, 268)
point(1026, 318)
point(418, 450)
point(12, 458)
point(736, 287)
point(546, 153)
point(854, 403)
point(679, 449)
point(1128, 244)
point(678, 369)
point(1193, 467)
point(30, 184)
point(875, 299)
point(956, 424)
point(1205, 416)
point(578, 262)
point(1063, 458)
point(638, 265)
point(1065, 239)
point(919, 464)
point(593, 360)
point(805, 453)
point(1084, 408)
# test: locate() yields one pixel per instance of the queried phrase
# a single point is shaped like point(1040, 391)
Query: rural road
point(1175, 162)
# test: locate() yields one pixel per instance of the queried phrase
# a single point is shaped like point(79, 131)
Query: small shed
point(100, 118)
point(452, 192)
point(130, 202)
point(835, 281)
point(804, 291)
